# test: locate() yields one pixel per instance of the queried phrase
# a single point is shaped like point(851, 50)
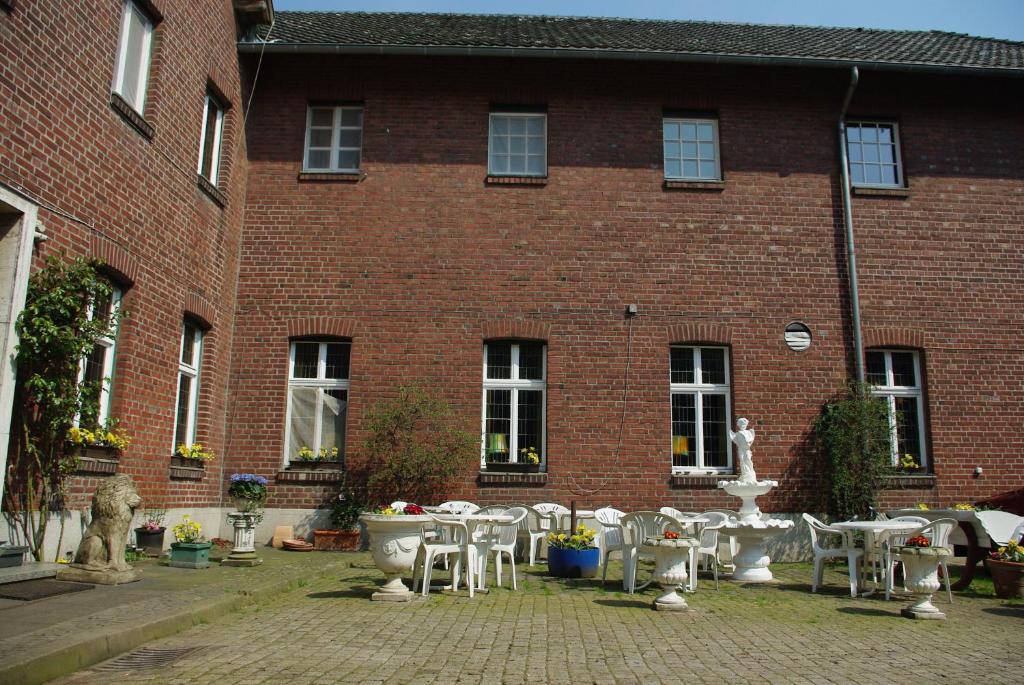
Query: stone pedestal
point(77, 574)
point(244, 551)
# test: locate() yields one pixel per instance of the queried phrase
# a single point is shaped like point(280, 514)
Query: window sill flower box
point(314, 465)
point(509, 467)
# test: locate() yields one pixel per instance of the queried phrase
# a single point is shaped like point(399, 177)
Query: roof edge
point(625, 55)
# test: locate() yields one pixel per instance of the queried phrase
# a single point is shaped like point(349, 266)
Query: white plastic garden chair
point(552, 516)
point(726, 540)
point(501, 539)
point(707, 548)
point(610, 539)
point(452, 538)
point(875, 554)
point(853, 555)
point(459, 507)
point(937, 532)
point(691, 528)
point(531, 532)
point(636, 527)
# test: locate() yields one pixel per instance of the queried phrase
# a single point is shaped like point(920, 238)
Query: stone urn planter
point(573, 563)
point(921, 569)
point(337, 540)
point(1007, 577)
point(394, 543)
point(670, 559)
point(190, 554)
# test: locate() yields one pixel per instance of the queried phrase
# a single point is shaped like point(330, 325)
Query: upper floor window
point(515, 389)
point(518, 144)
point(132, 71)
point(699, 388)
point(186, 406)
point(210, 139)
point(97, 367)
point(691, 149)
point(874, 152)
point(896, 377)
point(334, 138)
point(317, 400)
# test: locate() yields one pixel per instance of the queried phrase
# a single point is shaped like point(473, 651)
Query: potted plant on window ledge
point(325, 459)
point(908, 466)
point(528, 462)
point(193, 456)
point(104, 443)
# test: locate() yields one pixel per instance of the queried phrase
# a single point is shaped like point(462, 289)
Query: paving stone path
point(553, 631)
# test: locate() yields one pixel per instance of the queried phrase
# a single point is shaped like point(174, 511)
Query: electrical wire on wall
point(573, 485)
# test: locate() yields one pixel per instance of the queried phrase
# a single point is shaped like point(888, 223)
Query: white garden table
point(873, 530)
point(473, 522)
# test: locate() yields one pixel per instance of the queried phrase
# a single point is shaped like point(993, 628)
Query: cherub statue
point(743, 439)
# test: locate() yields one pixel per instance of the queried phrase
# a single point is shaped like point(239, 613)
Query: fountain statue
point(750, 529)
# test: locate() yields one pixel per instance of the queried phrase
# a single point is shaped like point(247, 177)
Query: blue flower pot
point(573, 563)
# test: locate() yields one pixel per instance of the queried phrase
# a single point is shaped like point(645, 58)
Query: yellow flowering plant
point(582, 538)
point(1011, 551)
point(908, 463)
point(963, 507)
point(195, 451)
point(528, 455)
point(187, 531)
point(107, 435)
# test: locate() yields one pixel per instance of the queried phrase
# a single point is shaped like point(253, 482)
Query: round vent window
point(798, 336)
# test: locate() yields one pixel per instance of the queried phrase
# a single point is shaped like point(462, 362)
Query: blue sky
point(993, 18)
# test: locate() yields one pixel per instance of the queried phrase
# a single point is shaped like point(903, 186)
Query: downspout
point(851, 253)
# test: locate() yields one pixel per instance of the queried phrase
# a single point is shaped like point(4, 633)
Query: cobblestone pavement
point(552, 631)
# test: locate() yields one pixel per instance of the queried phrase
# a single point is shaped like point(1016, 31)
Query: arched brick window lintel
point(116, 260)
point(321, 326)
point(518, 330)
point(893, 337)
point(699, 333)
point(198, 308)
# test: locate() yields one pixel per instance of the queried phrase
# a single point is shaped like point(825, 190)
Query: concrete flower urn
point(244, 551)
point(921, 570)
point(670, 558)
point(394, 543)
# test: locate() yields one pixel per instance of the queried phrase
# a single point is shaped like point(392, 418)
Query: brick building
point(477, 201)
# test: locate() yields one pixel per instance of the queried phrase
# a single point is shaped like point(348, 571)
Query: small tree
point(415, 447)
point(55, 333)
point(853, 432)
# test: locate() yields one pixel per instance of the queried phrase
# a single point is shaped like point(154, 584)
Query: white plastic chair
point(452, 538)
point(707, 549)
point(1018, 533)
point(875, 554)
point(821, 553)
point(501, 539)
point(459, 507)
point(937, 532)
point(552, 513)
point(726, 540)
point(637, 526)
point(531, 532)
point(691, 528)
point(610, 540)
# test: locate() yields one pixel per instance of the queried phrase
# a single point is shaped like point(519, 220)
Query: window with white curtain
point(97, 366)
point(132, 71)
point(187, 403)
point(210, 139)
point(317, 398)
point(895, 376)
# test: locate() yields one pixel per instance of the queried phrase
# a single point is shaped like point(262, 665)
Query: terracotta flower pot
point(1008, 578)
point(337, 540)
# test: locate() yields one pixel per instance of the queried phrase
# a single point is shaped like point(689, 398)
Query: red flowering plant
point(401, 510)
point(918, 541)
point(671, 535)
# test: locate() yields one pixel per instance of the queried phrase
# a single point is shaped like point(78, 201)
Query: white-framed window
point(334, 138)
point(895, 376)
point(318, 383)
point(210, 139)
point(517, 144)
point(699, 389)
point(97, 367)
point(514, 401)
point(187, 403)
point(131, 73)
point(691, 149)
point(873, 148)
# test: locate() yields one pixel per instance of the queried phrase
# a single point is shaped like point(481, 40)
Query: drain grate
point(146, 658)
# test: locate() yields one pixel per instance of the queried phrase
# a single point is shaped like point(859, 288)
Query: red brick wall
point(421, 261)
point(135, 201)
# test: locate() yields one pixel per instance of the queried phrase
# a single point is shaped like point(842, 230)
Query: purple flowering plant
point(250, 487)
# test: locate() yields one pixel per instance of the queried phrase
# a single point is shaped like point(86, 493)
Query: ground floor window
point(514, 402)
point(699, 391)
point(896, 377)
point(318, 385)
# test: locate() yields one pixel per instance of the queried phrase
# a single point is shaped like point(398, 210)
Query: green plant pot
point(190, 554)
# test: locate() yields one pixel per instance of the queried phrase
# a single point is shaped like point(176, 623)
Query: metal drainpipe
point(851, 253)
